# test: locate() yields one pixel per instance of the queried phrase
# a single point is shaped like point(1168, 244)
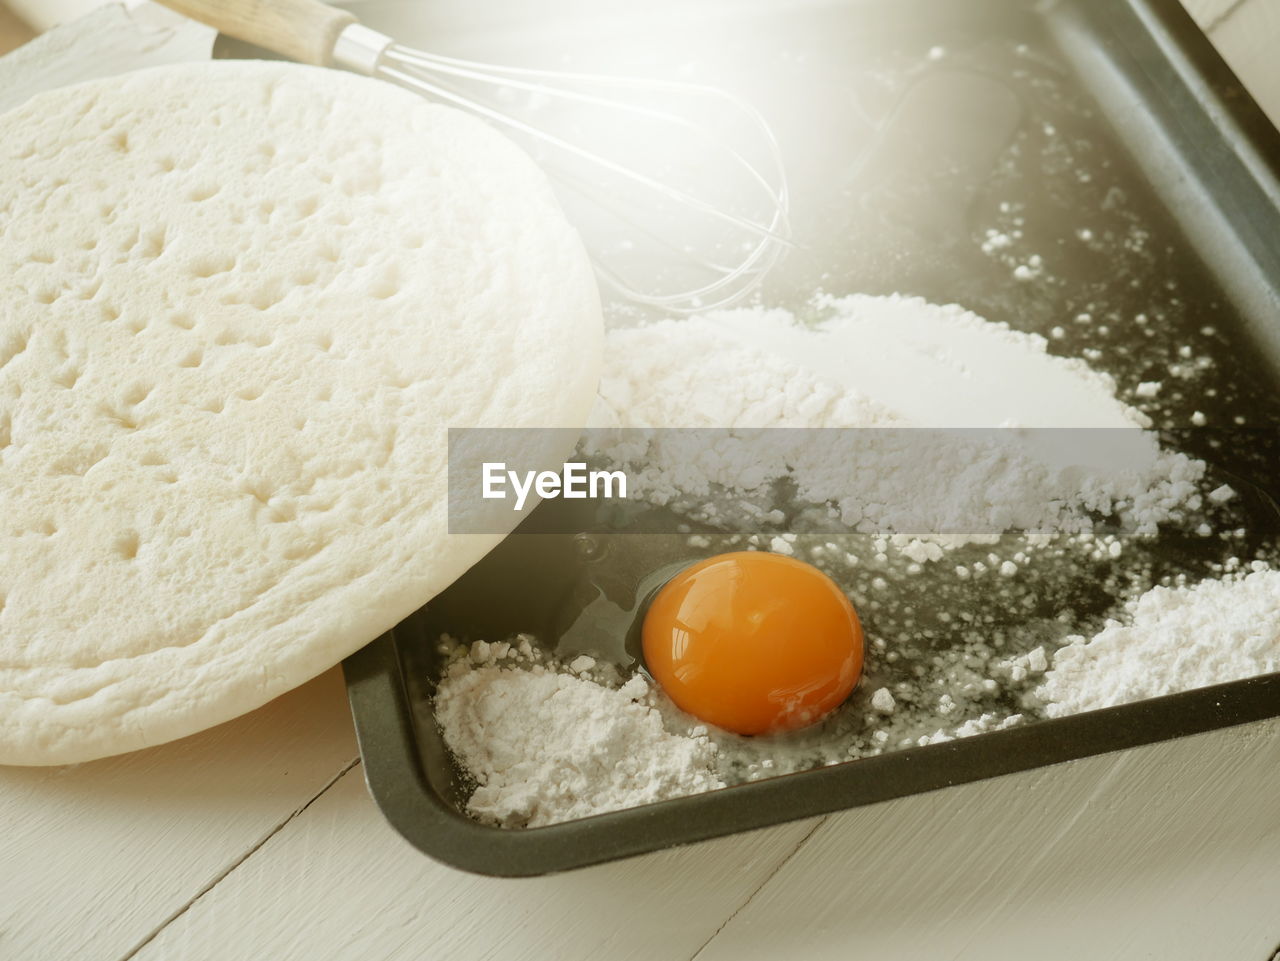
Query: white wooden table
point(257, 840)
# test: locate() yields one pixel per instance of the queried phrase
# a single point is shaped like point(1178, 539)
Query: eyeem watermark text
point(574, 482)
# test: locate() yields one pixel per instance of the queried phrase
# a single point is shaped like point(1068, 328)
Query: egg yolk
point(752, 642)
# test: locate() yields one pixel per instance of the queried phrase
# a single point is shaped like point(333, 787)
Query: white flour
point(865, 362)
point(1172, 639)
point(883, 362)
point(544, 745)
point(548, 742)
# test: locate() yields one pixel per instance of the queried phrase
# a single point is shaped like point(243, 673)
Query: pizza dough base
point(240, 305)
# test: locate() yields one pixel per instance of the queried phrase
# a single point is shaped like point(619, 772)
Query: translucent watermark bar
point(913, 481)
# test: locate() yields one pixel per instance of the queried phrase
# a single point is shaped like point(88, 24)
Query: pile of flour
point(546, 743)
point(895, 364)
point(1172, 639)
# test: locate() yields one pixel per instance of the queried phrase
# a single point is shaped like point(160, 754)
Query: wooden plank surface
point(337, 885)
point(105, 42)
point(1249, 40)
point(1170, 852)
point(1209, 12)
point(96, 856)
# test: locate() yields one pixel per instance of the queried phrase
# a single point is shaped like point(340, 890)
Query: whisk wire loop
point(765, 237)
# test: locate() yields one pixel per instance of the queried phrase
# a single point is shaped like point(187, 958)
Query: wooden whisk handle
point(303, 30)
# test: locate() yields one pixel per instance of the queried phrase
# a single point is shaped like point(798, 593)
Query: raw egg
point(753, 642)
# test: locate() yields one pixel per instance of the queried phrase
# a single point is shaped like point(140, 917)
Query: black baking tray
point(1196, 165)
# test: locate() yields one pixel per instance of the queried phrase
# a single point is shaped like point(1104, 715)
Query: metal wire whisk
point(678, 189)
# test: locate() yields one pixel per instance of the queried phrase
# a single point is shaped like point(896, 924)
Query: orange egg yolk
point(754, 643)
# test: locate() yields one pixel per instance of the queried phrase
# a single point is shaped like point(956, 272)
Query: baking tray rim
point(384, 720)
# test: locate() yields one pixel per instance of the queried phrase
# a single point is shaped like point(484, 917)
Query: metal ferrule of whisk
point(359, 49)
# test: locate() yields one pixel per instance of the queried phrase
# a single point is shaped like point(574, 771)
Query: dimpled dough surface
point(240, 305)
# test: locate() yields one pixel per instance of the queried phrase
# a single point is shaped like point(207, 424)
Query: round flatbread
point(240, 305)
